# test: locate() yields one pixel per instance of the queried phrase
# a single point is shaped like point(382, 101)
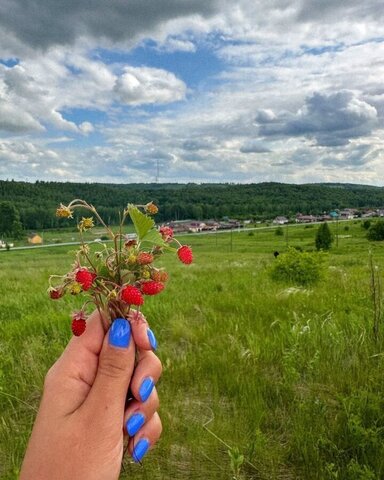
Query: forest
point(36, 202)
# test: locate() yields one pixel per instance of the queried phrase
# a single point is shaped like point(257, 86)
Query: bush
point(346, 228)
point(279, 231)
point(376, 231)
point(324, 237)
point(300, 268)
point(366, 224)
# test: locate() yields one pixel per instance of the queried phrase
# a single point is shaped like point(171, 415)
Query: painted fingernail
point(134, 423)
point(146, 388)
point(152, 339)
point(140, 449)
point(120, 333)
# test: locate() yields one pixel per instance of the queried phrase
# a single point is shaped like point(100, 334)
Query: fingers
point(147, 373)
point(116, 364)
point(148, 435)
point(138, 413)
point(142, 334)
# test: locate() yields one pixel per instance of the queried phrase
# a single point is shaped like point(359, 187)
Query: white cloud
point(143, 85)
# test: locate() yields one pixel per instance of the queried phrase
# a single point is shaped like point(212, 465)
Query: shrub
point(366, 224)
point(346, 228)
point(300, 268)
point(324, 237)
point(279, 231)
point(376, 231)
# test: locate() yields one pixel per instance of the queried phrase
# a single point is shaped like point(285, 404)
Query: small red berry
point(151, 287)
point(185, 254)
point(144, 258)
point(56, 293)
point(130, 243)
point(159, 276)
point(131, 295)
point(78, 326)
point(85, 278)
point(166, 233)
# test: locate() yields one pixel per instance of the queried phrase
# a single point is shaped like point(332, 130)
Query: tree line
point(35, 203)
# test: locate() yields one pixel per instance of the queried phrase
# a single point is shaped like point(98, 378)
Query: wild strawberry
point(56, 293)
point(166, 233)
point(185, 254)
point(131, 295)
point(78, 323)
point(85, 278)
point(163, 276)
point(78, 326)
point(151, 287)
point(159, 276)
point(130, 243)
point(144, 258)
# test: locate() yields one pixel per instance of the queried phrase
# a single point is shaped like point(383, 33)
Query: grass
point(291, 378)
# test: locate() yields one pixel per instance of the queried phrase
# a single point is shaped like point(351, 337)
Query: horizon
point(196, 92)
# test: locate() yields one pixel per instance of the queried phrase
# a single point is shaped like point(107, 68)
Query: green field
point(292, 378)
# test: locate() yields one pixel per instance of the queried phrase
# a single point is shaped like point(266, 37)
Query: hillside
point(36, 202)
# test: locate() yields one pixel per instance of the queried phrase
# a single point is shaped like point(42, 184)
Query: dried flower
point(63, 212)
point(151, 208)
point(85, 224)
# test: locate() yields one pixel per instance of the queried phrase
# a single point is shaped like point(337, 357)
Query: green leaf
point(154, 237)
point(141, 222)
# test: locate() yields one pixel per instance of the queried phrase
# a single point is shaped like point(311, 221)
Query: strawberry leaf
point(142, 223)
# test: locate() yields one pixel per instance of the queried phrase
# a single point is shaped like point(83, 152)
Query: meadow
point(262, 380)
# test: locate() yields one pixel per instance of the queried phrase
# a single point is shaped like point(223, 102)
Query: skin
point(80, 426)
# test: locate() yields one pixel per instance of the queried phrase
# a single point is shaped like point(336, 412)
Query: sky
point(192, 91)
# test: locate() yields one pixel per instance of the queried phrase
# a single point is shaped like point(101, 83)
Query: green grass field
point(291, 378)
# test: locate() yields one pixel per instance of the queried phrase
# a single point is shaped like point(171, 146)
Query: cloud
point(143, 85)
point(254, 146)
point(43, 23)
point(331, 119)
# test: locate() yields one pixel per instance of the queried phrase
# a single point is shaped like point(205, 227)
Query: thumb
point(115, 368)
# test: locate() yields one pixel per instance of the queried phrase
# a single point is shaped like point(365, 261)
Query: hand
point(83, 415)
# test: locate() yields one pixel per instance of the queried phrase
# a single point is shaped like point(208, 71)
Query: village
point(198, 226)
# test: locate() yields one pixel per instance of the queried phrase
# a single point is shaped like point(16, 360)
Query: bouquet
point(118, 276)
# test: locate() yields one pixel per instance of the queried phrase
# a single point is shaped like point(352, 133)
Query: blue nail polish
point(120, 333)
point(140, 449)
point(146, 388)
point(152, 339)
point(134, 423)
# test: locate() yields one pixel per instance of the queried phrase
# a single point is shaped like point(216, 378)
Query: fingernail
point(146, 388)
point(152, 339)
point(140, 449)
point(134, 423)
point(120, 333)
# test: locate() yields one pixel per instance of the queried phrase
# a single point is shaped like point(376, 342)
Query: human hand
point(84, 414)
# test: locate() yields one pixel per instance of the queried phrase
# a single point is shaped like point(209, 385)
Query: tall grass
point(291, 378)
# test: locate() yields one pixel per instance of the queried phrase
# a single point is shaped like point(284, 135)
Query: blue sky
point(288, 91)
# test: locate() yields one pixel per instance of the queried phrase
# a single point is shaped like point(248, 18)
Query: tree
point(324, 237)
point(10, 225)
point(376, 231)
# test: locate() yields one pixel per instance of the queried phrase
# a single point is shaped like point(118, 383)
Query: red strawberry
point(85, 278)
point(151, 287)
point(56, 293)
point(185, 254)
point(78, 326)
point(131, 295)
point(166, 233)
point(144, 258)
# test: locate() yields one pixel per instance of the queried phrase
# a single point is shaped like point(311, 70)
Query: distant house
point(35, 239)
point(280, 220)
point(305, 218)
point(369, 214)
point(347, 214)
